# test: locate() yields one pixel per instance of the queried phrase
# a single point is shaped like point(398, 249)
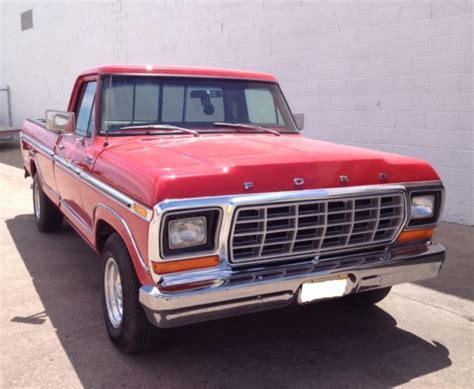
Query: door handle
point(61, 147)
point(89, 160)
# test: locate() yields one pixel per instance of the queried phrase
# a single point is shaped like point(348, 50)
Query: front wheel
point(47, 216)
point(125, 319)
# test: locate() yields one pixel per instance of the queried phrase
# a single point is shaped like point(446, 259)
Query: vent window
point(27, 20)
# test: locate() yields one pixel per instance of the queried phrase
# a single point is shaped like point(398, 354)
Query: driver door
point(72, 148)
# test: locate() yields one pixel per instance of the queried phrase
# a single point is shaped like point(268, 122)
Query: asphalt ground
point(52, 333)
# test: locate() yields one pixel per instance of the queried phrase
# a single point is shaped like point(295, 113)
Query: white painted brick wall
point(3, 100)
point(390, 75)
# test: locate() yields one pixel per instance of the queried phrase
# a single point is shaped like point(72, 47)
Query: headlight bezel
point(438, 193)
point(213, 222)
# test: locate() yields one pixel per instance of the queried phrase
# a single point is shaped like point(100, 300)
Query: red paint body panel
point(153, 169)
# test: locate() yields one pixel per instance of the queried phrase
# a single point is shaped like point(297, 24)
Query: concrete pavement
point(52, 333)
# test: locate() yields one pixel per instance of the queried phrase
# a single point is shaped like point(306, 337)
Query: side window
point(85, 114)
point(261, 107)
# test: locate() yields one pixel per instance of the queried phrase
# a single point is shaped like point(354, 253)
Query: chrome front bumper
point(229, 293)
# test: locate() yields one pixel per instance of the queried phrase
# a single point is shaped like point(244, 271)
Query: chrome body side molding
point(37, 145)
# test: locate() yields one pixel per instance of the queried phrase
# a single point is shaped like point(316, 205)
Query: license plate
point(318, 290)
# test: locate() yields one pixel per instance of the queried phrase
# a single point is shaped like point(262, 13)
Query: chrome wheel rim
point(36, 199)
point(113, 292)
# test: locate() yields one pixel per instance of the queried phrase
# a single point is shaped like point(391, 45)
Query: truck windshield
point(192, 103)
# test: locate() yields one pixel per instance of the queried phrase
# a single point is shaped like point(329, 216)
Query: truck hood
point(153, 169)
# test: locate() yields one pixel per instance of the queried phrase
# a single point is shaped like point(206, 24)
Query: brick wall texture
point(390, 75)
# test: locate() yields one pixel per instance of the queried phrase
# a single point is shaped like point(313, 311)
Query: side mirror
point(299, 119)
point(60, 121)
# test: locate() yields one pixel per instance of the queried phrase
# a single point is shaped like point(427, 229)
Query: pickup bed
point(203, 199)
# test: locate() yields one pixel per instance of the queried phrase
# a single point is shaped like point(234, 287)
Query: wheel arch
point(106, 222)
point(33, 169)
point(103, 230)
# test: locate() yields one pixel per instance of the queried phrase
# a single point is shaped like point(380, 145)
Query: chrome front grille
point(296, 229)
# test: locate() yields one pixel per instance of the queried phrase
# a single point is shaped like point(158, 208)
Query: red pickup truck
point(204, 200)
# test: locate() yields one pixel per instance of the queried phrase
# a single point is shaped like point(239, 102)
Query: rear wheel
point(370, 297)
point(47, 216)
point(125, 319)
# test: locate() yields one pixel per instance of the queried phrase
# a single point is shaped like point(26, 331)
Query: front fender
point(119, 224)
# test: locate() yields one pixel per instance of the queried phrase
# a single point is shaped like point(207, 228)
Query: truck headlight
point(425, 206)
point(422, 207)
point(189, 232)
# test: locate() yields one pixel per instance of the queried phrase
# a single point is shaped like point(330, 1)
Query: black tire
point(370, 297)
point(47, 216)
point(133, 332)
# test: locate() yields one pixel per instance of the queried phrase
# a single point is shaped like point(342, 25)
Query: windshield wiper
point(161, 127)
point(247, 126)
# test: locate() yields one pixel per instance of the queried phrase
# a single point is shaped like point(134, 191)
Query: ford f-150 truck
point(203, 199)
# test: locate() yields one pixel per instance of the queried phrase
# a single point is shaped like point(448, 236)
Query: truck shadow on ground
point(322, 345)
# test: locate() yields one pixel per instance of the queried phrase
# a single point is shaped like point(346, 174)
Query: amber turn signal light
point(142, 211)
point(186, 264)
point(423, 234)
